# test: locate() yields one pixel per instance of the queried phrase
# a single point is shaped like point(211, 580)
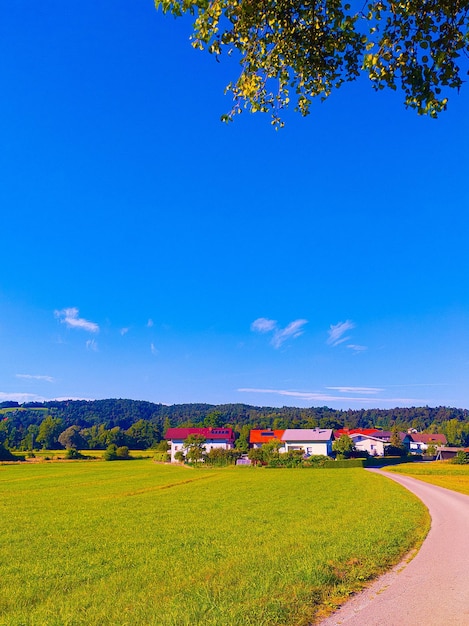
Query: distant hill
point(123, 413)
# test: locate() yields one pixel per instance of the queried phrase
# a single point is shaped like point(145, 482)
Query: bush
point(221, 458)
point(113, 453)
point(6, 455)
point(347, 463)
point(180, 456)
point(161, 457)
point(123, 452)
point(461, 458)
point(110, 453)
point(72, 454)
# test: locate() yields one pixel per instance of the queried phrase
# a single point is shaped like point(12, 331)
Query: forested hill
point(123, 414)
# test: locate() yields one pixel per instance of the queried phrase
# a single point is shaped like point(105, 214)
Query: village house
point(258, 438)
point(419, 442)
point(311, 440)
point(375, 446)
point(223, 438)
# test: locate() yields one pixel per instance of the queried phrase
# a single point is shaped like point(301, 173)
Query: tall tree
point(49, 431)
point(194, 447)
point(71, 437)
point(293, 50)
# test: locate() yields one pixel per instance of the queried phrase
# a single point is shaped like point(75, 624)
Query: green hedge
point(391, 460)
point(345, 463)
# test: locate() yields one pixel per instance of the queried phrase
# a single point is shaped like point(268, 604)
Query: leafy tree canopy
point(293, 50)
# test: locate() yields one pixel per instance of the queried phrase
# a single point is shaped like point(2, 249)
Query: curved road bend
point(433, 588)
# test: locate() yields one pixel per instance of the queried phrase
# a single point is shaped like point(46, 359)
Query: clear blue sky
point(149, 251)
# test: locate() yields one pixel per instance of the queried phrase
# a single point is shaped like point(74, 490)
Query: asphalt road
point(433, 588)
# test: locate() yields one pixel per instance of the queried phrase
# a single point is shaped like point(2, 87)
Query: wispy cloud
point(317, 396)
point(48, 379)
point(91, 344)
point(370, 390)
point(280, 335)
point(293, 330)
point(356, 348)
point(70, 318)
point(150, 323)
point(153, 349)
point(124, 331)
point(263, 325)
point(20, 397)
point(336, 332)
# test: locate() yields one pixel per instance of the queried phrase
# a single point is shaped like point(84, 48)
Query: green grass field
point(140, 543)
point(441, 473)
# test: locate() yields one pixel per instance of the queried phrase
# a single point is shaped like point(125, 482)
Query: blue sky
point(150, 251)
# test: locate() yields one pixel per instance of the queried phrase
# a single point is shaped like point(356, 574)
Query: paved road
point(433, 588)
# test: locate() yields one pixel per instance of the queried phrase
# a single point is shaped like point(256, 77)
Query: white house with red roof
point(257, 437)
point(223, 438)
point(420, 441)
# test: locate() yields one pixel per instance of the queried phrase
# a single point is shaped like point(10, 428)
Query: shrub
point(316, 460)
point(6, 455)
point(461, 458)
point(161, 457)
point(110, 453)
point(220, 457)
point(113, 453)
point(180, 456)
point(344, 463)
point(123, 452)
point(72, 454)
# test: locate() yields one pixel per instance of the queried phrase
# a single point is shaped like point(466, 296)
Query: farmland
point(441, 473)
point(141, 543)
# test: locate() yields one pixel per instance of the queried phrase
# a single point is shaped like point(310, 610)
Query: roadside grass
point(156, 545)
point(441, 473)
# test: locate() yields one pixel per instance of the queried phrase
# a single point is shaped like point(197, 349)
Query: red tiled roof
point(351, 431)
point(428, 438)
point(265, 435)
point(221, 434)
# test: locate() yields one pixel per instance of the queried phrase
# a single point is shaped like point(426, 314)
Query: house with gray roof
point(310, 440)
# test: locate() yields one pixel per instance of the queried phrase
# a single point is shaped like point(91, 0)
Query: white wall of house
point(259, 445)
point(373, 446)
point(178, 444)
point(310, 447)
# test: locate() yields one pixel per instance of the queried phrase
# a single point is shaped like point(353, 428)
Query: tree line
point(97, 424)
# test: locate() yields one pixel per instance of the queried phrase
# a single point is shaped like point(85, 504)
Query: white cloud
point(263, 325)
point(293, 330)
point(356, 348)
point(336, 332)
point(48, 379)
point(20, 397)
point(280, 335)
point(150, 323)
point(64, 398)
point(316, 396)
point(356, 389)
point(92, 345)
point(153, 349)
point(124, 331)
point(70, 318)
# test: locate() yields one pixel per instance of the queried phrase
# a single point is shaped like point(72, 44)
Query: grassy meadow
point(441, 473)
point(139, 543)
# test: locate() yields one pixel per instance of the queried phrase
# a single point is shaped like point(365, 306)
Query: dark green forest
point(96, 424)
